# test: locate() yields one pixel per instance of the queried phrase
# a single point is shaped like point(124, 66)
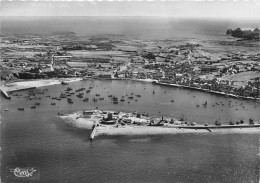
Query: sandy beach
point(21, 85)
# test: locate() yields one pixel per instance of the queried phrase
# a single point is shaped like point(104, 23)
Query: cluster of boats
point(33, 94)
point(123, 98)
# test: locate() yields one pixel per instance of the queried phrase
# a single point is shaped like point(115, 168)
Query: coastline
point(30, 84)
point(188, 87)
point(206, 90)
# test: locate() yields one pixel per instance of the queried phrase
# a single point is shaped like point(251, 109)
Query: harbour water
point(38, 138)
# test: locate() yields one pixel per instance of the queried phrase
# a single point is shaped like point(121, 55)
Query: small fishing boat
point(80, 89)
point(251, 121)
point(115, 99)
point(62, 95)
point(79, 96)
point(69, 101)
point(217, 123)
point(68, 89)
point(85, 100)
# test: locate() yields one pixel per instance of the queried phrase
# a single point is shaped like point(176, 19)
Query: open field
point(242, 78)
point(84, 53)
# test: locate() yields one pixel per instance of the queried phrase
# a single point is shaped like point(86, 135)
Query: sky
point(239, 9)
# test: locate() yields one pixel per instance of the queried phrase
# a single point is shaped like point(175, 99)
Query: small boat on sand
point(64, 83)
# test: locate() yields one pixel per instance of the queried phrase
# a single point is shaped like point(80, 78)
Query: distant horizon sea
point(135, 27)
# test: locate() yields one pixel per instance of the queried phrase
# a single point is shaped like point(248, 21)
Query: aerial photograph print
point(130, 91)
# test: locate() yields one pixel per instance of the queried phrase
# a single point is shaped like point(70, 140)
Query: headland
point(107, 122)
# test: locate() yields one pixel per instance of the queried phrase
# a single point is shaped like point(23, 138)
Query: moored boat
point(69, 100)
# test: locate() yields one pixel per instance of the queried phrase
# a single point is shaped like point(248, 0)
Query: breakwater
point(5, 94)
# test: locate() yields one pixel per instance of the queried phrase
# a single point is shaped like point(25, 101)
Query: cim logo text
point(23, 172)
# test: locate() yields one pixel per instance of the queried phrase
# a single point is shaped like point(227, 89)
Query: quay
point(23, 89)
point(5, 94)
point(93, 133)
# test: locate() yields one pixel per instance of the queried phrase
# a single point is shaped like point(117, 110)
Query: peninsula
point(105, 122)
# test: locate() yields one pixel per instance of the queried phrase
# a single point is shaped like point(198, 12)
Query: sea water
point(38, 138)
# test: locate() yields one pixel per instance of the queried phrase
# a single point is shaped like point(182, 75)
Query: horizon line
point(118, 16)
